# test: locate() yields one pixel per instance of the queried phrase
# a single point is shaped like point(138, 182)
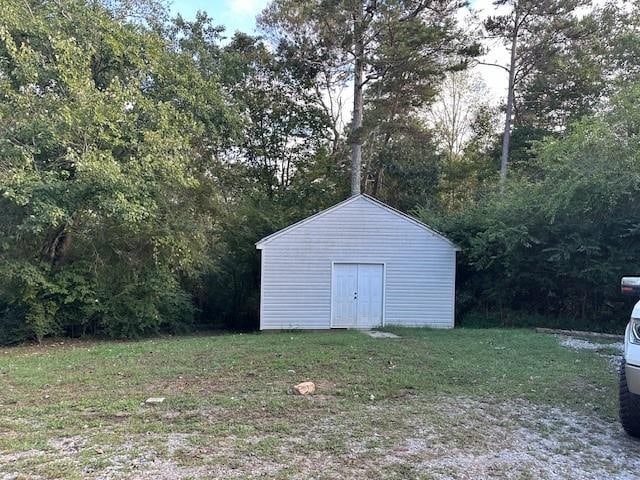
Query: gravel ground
point(581, 344)
point(459, 438)
point(612, 351)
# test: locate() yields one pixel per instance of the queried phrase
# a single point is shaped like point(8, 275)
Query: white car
point(630, 367)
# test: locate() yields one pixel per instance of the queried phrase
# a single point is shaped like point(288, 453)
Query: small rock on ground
point(304, 388)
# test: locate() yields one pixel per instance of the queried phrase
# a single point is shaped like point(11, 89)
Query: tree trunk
point(506, 138)
point(356, 124)
point(57, 247)
point(377, 183)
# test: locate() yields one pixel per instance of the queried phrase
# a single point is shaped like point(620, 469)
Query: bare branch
point(415, 12)
point(489, 64)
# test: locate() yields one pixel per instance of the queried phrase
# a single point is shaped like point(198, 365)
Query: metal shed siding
point(297, 265)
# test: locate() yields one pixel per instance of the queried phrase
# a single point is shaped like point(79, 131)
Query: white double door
point(357, 295)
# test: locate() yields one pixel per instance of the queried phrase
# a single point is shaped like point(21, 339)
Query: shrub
point(559, 238)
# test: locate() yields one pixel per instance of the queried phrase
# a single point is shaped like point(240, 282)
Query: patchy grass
point(431, 404)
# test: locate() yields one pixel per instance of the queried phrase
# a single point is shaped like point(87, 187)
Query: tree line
point(142, 156)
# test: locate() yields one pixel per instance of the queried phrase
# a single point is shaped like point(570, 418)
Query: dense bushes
point(564, 231)
point(105, 212)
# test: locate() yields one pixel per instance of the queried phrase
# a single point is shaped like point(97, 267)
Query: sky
point(233, 14)
point(241, 15)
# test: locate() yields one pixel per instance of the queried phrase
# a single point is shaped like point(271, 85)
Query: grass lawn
point(432, 404)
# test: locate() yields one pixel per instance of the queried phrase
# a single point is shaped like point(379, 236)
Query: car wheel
point(629, 406)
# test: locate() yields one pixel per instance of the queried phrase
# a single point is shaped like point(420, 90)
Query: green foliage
point(524, 319)
point(404, 169)
point(278, 171)
point(230, 294)
point(151, 302)
point(283, 128)
point(572, 65)
point(101, 188)
point(557, 243)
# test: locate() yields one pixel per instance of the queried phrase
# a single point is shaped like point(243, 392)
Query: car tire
point(629, 406)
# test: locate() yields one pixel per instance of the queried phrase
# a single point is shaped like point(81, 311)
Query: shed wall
point(296, 268)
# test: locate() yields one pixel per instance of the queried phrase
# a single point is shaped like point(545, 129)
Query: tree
point(102, 187)
point(525, 29)
point(283, 126)
point(404, 166)
point(464, 127)
point(274, 170)
point(579, 71)
point(392, 48)
point(462, 96)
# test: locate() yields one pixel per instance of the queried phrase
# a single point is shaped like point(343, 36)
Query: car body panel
point(632, 355)
point(631, 350)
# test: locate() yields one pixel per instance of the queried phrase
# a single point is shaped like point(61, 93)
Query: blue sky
point(233, 14)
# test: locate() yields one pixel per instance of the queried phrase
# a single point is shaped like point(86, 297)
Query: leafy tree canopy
point(101, 190)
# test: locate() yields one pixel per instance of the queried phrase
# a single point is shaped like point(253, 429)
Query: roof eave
point(259, 244)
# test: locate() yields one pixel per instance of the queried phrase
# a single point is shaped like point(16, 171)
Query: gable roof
point(349, 200)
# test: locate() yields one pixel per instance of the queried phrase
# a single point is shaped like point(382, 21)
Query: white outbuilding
point(359, 264)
